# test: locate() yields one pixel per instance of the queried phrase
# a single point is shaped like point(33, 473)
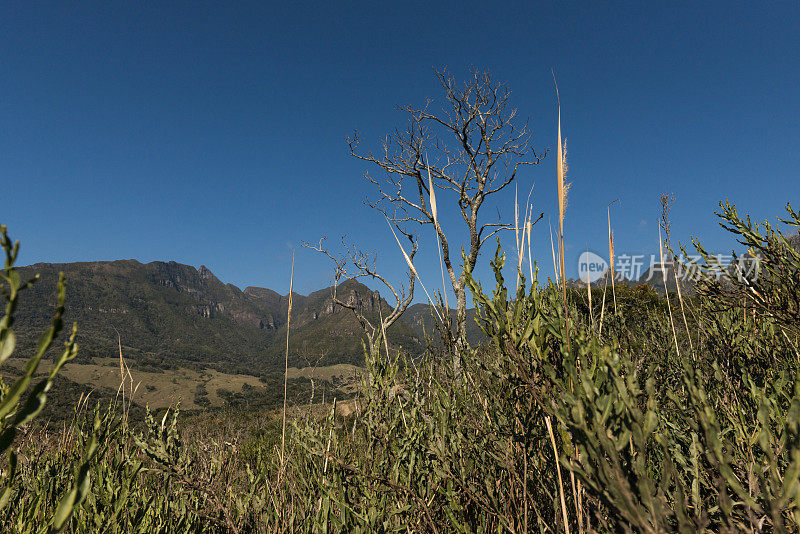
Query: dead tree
point(353, 264)
point(472, 145)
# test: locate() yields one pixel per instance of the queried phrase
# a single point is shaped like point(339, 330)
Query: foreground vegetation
point(664, 422)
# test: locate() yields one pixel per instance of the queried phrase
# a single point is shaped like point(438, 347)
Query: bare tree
point(353, 264)
point(472, 146)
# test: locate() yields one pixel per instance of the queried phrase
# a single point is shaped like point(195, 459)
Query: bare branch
point(474, 146)
point(353, 263)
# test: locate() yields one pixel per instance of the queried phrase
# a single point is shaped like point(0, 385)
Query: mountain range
point(171, 315)
point(654, 274)
point(168, 315)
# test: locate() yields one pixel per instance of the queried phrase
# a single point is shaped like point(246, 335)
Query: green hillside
point(170, 315)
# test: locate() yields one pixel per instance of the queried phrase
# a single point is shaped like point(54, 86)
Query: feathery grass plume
point(436, 225)
point(414, 271)
point(666, 291)
point(286, 370)
point(563, 189)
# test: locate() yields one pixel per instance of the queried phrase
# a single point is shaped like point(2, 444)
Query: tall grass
point(286, 368)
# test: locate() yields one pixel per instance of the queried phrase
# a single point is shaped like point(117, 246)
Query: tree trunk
point(461, 326)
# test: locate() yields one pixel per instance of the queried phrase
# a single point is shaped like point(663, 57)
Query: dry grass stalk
point(121, 369)
point(563, 190)
point(126, 379)
point(558, 472)
point(589, 293)
point(683, 311)
point(666, 291)
point(516, 230)
point(527, 226)
point(528, 229)
point(611, 255)
point(789, 341)
point(553, 249)
point(330, 438)
point(603, 308)
point(414, 272)
point(666, 204)
point(611, 270)
point(286, 371)
point(529, 222)
point(67, 441)
point(383, 332)
point(437, 226)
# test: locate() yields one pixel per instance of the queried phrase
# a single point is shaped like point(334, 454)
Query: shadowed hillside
point(172, 315)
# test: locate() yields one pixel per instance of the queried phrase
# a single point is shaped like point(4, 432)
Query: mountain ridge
point(167, 314)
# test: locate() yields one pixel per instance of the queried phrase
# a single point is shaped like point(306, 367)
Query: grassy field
point(167, 388)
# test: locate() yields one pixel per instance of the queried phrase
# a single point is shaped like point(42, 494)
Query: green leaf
point(7, 342)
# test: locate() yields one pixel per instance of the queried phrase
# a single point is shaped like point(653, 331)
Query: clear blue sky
point(215, 134)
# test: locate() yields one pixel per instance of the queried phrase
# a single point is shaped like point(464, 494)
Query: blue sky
point(215, 134)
